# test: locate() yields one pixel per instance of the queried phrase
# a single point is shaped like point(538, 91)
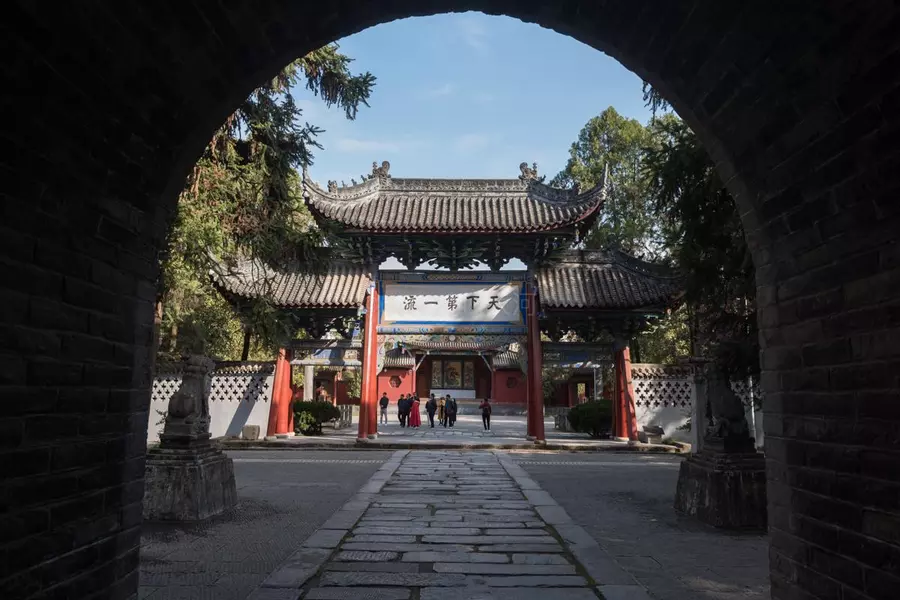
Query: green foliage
point(664, 341)
point(353, 380)
point(705, 237)
point(244, 199)
point(612, 142)
point(310, 416)
point(667, 203)
point(594, 418)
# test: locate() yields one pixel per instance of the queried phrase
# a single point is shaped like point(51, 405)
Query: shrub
point(309, 416)
point(594, 418)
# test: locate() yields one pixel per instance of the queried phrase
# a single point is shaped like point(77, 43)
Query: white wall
point(663, 396)
point(241, 394)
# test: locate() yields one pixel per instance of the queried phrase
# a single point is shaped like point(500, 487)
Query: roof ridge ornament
point(382, 172)
point(530, 174)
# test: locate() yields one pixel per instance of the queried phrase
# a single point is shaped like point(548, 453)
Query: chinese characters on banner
point(452, 303)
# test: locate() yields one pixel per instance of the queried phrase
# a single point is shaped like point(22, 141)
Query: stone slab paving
point(626, 503)
point(507, 432)
point(282, 499)
point(429, 532)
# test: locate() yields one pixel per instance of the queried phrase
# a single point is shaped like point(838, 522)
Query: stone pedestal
point(187, 478)
point(186, 485)
point(724, 489)
point(723, 483)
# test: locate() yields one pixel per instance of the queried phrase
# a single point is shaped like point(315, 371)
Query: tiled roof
point(398, 359)
point(507, 360)
point(388, 205)
point(606, 280)
point(339, 284)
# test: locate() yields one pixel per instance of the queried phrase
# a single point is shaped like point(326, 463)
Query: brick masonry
point(110, 104)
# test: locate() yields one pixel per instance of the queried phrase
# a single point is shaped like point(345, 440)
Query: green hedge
point(594, 418)
point(309, 416)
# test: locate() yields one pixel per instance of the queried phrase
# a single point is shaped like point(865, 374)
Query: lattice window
point(164, 386)
point(231, 387)
point(230, 382)
point(653, 392)
point(747, 391)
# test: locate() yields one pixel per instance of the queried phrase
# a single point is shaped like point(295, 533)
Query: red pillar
point(625, 415)
point(368, 417)
point(535, 365)
point(280, 416)
point(373, 364)
point(570, 393)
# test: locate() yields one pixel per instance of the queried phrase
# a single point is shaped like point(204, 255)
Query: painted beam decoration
point(463, 303)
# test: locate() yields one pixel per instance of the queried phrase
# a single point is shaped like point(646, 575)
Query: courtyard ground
point(282, 499)
point(442, 525)
point(625, 503)
point(507, 432)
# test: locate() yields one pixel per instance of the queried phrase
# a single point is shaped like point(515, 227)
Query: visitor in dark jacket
point(451, 409)
point(431, 408)
point(383, 403)
point(486, 410)
point(401, 410)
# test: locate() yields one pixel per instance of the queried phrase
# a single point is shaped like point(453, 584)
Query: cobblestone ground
point(625, 503)
point(447, 526)
point(282, 498)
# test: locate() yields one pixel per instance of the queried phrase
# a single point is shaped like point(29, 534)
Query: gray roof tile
point(339, 285)
point(606, 280)
point(385, 204)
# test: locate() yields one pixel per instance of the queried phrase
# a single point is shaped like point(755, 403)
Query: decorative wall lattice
point(240, 394)
point(747, 391)
point(242, 382)
point(661, 386)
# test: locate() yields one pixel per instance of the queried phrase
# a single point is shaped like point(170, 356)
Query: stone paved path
point(283, 497)
point(446, 526)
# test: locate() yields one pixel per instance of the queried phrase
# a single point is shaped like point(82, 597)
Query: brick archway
point(108, 105)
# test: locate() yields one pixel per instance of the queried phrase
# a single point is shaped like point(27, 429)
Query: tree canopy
point(613, 143)
point(667, 203)
point(706, 240)
point(244, 199)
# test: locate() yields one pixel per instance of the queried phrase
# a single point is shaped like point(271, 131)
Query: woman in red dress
point(415, 419)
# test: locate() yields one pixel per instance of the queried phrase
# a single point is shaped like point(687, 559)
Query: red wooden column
point(280, 410)
point(625, 415)
point(535, 365)
point(368, 417)
point(373, 363)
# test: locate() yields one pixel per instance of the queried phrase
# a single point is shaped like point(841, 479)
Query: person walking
point(383, 403)
point(430, 408)
point(415, 414)
point(401, 410)
point(485, 407)
point(451, 410)
point(442, 411)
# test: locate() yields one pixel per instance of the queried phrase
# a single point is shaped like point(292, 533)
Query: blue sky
point(468, 95)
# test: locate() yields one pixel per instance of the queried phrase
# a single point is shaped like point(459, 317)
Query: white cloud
point(473, 34)
point(441, 90)
point(471, 141)
point(357, 145)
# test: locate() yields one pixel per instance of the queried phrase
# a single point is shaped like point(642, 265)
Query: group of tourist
point(445, 408)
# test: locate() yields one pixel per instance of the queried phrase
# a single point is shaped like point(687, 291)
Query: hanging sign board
point(461, 303)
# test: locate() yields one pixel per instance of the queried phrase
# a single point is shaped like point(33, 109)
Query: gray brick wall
point(109, 104)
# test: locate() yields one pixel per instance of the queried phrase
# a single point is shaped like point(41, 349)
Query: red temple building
point(470, 333)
